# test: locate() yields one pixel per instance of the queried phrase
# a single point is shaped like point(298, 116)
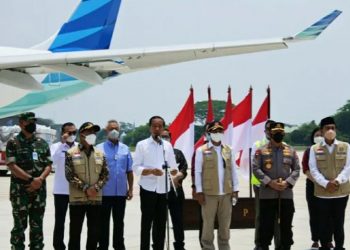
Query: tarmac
point(241, 239)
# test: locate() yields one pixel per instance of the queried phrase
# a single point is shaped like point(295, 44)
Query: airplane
point(79, 57)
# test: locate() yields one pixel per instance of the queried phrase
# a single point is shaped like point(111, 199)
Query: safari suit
point(325, 165)
point(82, 171)
point(217, 191)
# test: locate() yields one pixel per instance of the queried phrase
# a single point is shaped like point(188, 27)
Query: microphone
point(159, 140)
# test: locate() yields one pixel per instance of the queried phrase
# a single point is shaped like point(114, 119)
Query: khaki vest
point(87, 169)
point(210, 176)
point(330, 165)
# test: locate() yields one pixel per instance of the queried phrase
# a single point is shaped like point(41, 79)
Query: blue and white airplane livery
point(78, 57)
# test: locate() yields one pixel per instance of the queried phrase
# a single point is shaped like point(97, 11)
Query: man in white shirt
point(61, 187)
point(329, 164)
point(149, 158)
point(216, 183)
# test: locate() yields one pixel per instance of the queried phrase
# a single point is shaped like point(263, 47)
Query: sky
point(308, 81)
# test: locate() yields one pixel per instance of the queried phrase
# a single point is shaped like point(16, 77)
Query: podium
point(243, 214)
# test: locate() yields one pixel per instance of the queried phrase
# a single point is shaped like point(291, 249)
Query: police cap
point(277, 126)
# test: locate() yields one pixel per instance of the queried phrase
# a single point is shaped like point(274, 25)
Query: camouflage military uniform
point(33, 156)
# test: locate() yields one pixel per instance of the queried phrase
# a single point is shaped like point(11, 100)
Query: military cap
point(27, 116)
point(215, 125)
point(277, 126)
point(89, 125)
point(326, 121)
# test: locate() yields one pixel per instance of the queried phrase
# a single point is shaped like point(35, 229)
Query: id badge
point(35, 156)
point(116, 157)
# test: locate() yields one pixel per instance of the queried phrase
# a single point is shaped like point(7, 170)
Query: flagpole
point(250, 151)
point(268, 102)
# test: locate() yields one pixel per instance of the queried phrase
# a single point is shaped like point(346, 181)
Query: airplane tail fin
point(317, 28)
point(90, 27)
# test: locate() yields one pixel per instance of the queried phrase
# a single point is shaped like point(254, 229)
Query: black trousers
point(312, 203)
point(153, 208)
point(276, 233)
point(176, 213)
point(77, 214)
point(332, 212)
point(269, 209)
point(61, 205)
point(116, 205)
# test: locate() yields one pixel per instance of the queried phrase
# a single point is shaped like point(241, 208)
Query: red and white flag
point(227, 121)
point(182, 128)
point(242, 121)
point(258, 126)
point(210, 118)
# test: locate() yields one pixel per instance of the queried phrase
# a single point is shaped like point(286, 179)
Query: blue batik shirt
point(119, 163)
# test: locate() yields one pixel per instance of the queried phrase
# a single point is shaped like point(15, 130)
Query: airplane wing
point(79, 57)
point(94, 66)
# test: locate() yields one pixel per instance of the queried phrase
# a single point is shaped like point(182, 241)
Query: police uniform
point(272, 162)
point(33, 156)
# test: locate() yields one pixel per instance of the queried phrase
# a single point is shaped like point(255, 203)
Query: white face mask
point(216, 137)
point(330, 135)
point(113, 135)
point(71, 138)
point(90, 139)
point(318, 139)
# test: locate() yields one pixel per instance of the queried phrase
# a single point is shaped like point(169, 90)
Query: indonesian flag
point(227, 121)
point(242, 120)
point(258, 126)
point(210, 117)
point(182, 128)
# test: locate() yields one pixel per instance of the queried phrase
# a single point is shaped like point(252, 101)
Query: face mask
point(71, 138)
point(113, 135)
point(90, 139)
point(278, 137)
point(216, 137)
point(318, 139)
point(30, 128)
point(330, 135)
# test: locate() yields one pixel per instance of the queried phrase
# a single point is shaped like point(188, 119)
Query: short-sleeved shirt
point(31, 155)
point(119, 163)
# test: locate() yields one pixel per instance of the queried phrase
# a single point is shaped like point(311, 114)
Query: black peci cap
point(326, 121)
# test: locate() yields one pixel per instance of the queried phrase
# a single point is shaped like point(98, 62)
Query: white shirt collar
point(323, 143)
